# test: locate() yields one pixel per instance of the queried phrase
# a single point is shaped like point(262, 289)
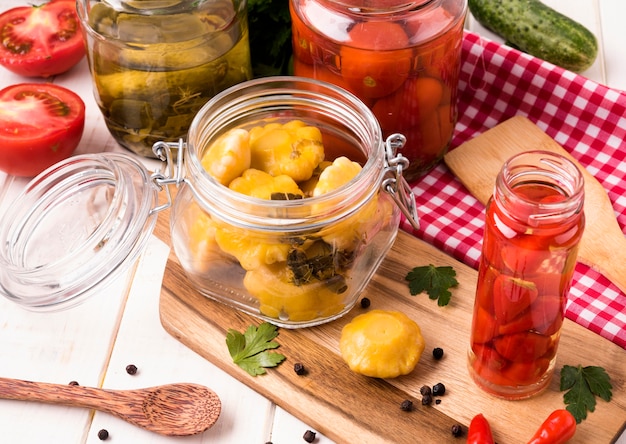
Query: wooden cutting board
point(348, 407)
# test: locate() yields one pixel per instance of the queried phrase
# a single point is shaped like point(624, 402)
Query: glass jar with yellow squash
point(289, 200)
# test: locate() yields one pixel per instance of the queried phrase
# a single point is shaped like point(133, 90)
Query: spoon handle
point(70, 395)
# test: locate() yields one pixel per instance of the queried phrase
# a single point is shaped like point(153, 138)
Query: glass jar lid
point(74, 228)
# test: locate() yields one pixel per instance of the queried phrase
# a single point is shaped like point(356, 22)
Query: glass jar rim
point(272, 93)
point(74, 228)
point(549, 168)
point(388, 8)
point(152, 7)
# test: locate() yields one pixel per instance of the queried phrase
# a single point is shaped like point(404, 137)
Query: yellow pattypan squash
point(308, 186)
point(279, 297)
point(257, 183)
point(382, 344)
point(255, 249)
point(202, 246)
point(339, 173)
point(228, 156)
point(251, 250)
point(350, 232)
point(293, 148)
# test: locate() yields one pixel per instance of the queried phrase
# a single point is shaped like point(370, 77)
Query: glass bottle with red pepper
point(401, 58)
point(534, 222)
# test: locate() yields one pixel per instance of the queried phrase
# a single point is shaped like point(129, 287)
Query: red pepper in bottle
point(479, 431)
point(533, 224)
point(558, 428)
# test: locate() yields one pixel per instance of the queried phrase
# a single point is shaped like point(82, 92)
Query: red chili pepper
point(558, 428)
point(479, 431)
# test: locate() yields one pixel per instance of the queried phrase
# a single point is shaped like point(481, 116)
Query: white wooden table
point(93, 343)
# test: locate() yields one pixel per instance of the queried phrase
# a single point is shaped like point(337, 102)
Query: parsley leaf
point(583, 384)
point(436, 281)
point(250, 350)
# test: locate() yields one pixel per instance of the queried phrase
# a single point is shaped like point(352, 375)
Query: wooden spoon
point(477, 162)
point(173, 409)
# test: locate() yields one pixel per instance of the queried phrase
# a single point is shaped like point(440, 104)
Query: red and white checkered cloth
point(587, 119)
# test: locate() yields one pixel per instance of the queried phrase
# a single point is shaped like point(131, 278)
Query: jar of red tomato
point(401, 58)
point(533, 226)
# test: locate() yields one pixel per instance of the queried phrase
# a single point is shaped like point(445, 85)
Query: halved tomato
point(40, 125)
point(41, 41)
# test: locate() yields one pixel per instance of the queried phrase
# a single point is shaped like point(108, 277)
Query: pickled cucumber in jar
point(155, 63)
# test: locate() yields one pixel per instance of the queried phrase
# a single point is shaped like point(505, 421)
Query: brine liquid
point(151, 87)
point(524, 278)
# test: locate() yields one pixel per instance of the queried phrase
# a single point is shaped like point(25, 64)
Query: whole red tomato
point(41, 41)
point(375, 61)
point(40, 125)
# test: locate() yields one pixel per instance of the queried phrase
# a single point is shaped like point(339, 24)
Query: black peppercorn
point(457, 430)
point(299, 369)
point(131, 369)
point(407, 405)
point(103, 435)
point(73, 383)
point(365, 303)
point(425, 390)
point(437, 353)
point(439, 389)
point(437, 401)
point(309, 436)
point(427, 399)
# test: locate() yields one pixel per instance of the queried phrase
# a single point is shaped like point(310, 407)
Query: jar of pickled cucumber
point(155, 63)
point(291, 199)
point(401, 58)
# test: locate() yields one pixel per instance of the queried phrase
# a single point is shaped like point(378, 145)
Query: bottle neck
point(540, 189)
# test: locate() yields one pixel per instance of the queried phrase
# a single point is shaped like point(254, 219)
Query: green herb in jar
point(154, 68)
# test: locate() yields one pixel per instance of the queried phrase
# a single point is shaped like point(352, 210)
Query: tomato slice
point(40, 125)
point(41, 41)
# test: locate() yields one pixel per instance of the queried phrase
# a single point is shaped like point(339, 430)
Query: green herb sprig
point(435, 281)
point(270, 37)
point(251, 350)
point(583, 384)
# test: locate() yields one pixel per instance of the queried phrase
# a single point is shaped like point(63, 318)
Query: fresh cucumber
point(539, 30)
